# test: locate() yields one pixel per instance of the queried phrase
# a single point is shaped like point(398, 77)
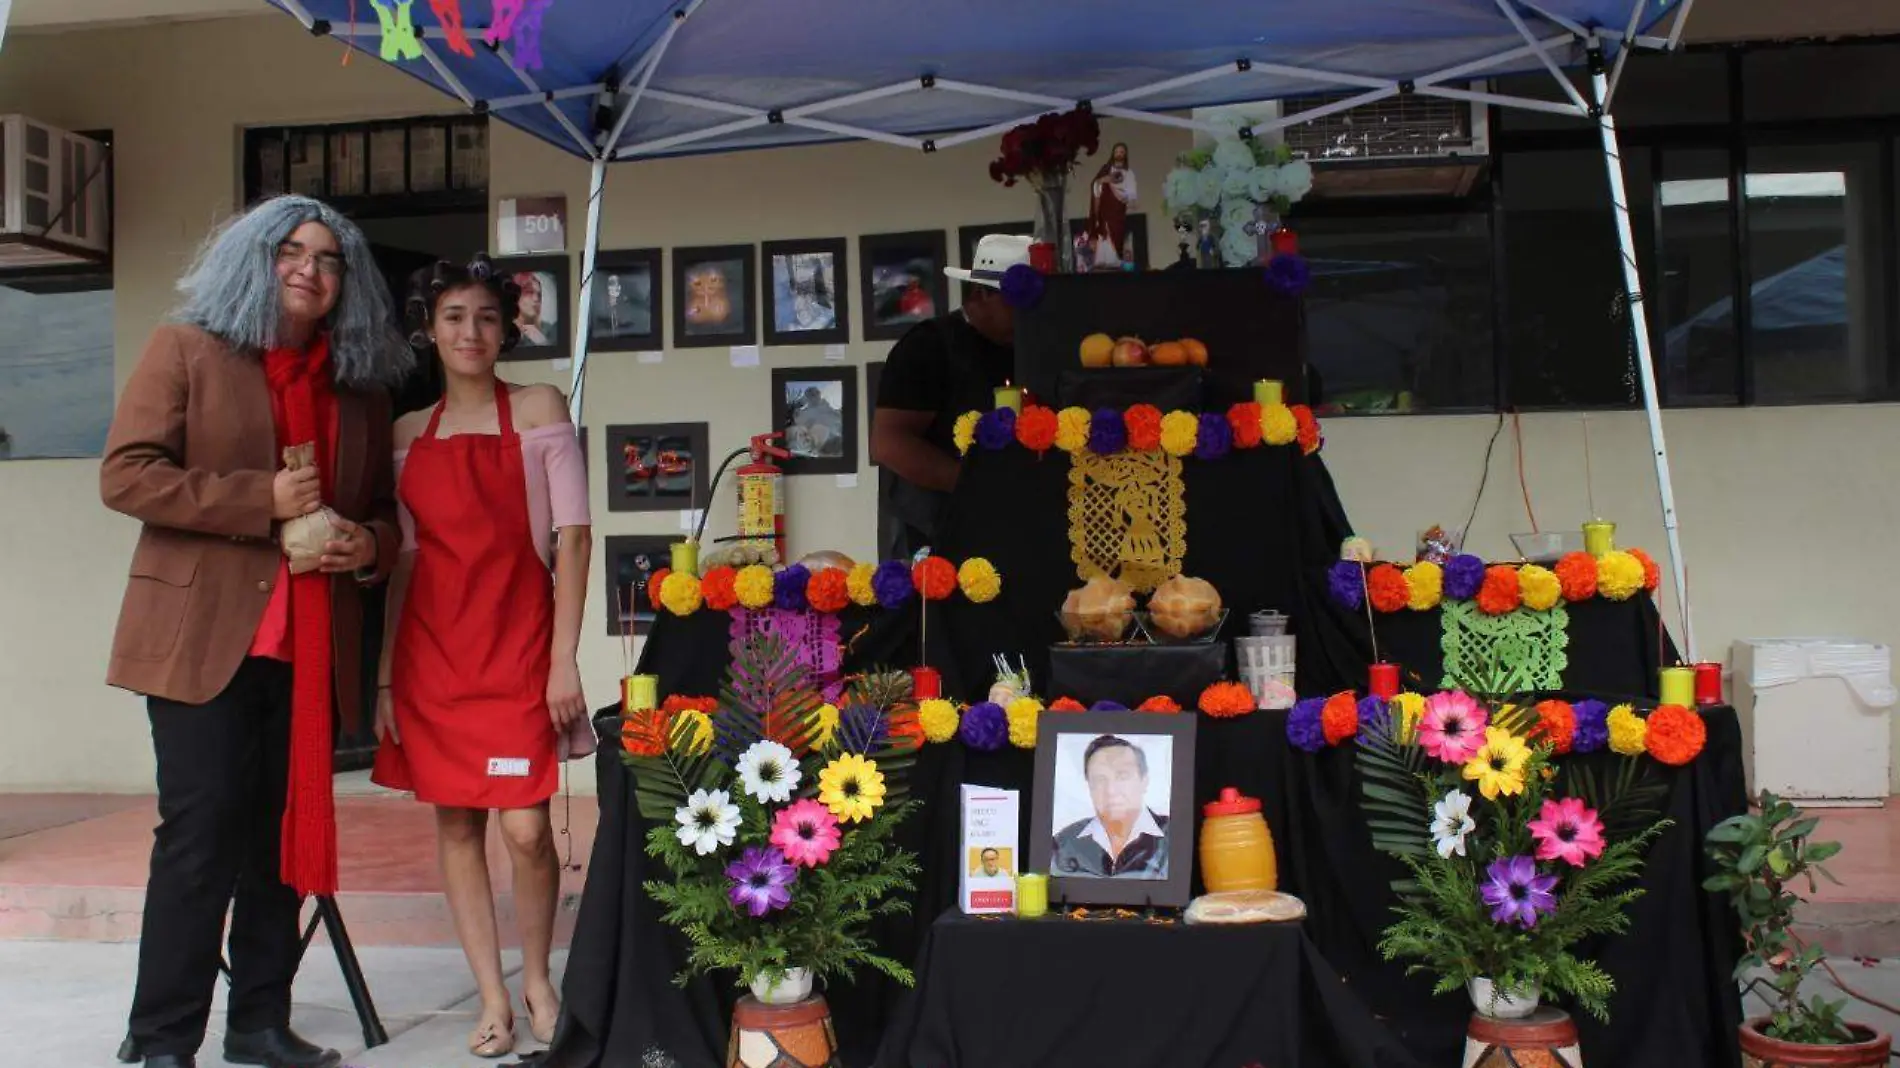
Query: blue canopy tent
point(625, 79)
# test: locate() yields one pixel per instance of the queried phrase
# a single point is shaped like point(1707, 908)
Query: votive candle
point(1011, 397)
point(686, 558)
point(1032, 895)
point(639, 693)
point(1269, 391)
point(1599, 537)
point(1678, 686)
point(1708, 683)
point(1383, 681)
point(926, 684)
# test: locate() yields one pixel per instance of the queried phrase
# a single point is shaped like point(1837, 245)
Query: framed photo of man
point(542, 312)
point(629, 301)
point(713, 300)
point(817, 408)
point(1111, 815)
point(805, 292)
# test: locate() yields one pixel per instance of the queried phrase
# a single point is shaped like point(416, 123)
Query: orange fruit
point(1196, 352)
point(1096, 350)
point(1169, 354)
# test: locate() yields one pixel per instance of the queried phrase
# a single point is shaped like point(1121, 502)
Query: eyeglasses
point(292, 254)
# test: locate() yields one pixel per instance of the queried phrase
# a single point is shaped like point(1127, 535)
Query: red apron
point(470, 675)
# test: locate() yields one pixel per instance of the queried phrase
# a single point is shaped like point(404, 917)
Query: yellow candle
point(1032, 895)
point(686, 558)
point(1269, 391)
point(1599, 537)
point(639, 693)
point(1678, 686)
point(1010, 397)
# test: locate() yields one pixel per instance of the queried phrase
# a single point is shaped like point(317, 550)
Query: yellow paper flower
point(939, 720)
point(964, 432)
point(1539, 586)
point(1072, 429)
point(1179, 432)
point(827, 726)
point(980, 582)
point(1411, 708)
point(753, 584)
point(1022, 713)
point(698, 734)
point(851, 787)
point(680, 594)
point(1629, 735)
point(1619, 575)
point(1499, 766)
point(1426, 581)
point(1277, 425)
point(858, 584)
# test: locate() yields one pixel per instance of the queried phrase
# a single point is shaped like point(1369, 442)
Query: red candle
point(1383, 681)
point(1708, 684)
point(1042, 256)
point(1285, 242)
point(925, 684)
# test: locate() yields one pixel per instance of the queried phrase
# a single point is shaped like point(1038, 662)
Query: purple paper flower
point(1108, 706)
point(1372, 713)
point(1593, 726)
point(1464, 573)
point(996, 428)
point(861, 728)
point(761, 881)
point(985, 727)
point(788, 588)
point(891, 582)
point(1022, 286)
point(1108, 433)
point(1516, 893)
point(1288, 274)
point(1303, 727)
point(1347, 581)
point(1216, 438)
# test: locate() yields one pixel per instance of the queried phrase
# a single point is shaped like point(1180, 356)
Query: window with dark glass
point(1692, 288)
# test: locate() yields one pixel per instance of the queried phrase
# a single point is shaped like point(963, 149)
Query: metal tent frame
point(616, 103)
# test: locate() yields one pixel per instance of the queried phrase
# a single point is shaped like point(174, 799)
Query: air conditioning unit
point(53, 210)
point(1403, 146)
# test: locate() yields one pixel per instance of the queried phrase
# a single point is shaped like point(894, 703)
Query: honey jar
point(1236, 847)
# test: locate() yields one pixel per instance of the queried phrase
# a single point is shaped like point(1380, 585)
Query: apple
point(1129, 352)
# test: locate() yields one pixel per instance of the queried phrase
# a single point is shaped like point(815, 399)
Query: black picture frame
point(616, 317)
point(632, 559)
point(901, 281)
point(535, 275)
point(968, 236)
point(655, 483)
point(827, 292)
point(838, 391)
point(696, 266)
point(1054, 757)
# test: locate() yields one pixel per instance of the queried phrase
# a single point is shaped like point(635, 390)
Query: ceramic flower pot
point(799, 1035)
point(1500, 1004)
point(1760, 1051)
point(1544, 1038)
point(795, 987)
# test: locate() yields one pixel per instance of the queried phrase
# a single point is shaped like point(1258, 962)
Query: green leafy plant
point(1762, 856)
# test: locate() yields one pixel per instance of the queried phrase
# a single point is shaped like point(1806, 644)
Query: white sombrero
point(995, 253)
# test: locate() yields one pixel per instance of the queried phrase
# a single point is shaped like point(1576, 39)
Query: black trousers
point(222, 773)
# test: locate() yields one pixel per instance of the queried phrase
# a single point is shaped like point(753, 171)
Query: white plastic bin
point(1814, 717)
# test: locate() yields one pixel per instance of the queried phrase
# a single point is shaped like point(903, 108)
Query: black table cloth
point(1006, 993)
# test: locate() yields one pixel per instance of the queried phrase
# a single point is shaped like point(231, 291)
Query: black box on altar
point(1130, 674)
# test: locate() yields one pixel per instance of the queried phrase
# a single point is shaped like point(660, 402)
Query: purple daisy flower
point(1593, 726)
point(1347, 581)
point(1516, 893)
point(996, 428)
point(1464, 573)
point(1108, 433)
point(761, 881)
point(985, 727)
point(891, 582)
point(788, 588)
point(1303, 727)
point(1216, 438)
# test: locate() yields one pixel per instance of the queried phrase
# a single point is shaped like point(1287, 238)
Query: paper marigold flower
point(979, 580)
point(680, 593)
point(1022, 713)
point(1540, 587)
point(717, 587)
point(1144, 427)
point(1161, 703)
point(1652, 571)
point(1556, 724)
point(1577, 574)
point(1067, 704)
point(1425, 585)
point(1244, 418)
point(1225, 700)
point(1627, 731)
point(964, 432)
point(656, 582)
point(1308, 432)
point(1339, 717)
point(1179, 433)
point(1387, 588)
point(754, 586)
point(1619, 575)
point(1072, 429)
point(1278, 426)
point(939, 719)
point(1036, 428)
point(935, 578)
point(858, 584)
point(829, 591)
point(1675, 735)
point(1500, 593)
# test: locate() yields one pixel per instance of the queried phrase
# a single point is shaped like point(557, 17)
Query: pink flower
point(1452, 728)
point(806, 832)
point(1567, 831)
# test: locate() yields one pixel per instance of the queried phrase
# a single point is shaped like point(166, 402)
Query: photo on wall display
point(656, 467)
point(631, 561)
point(628, 301)
point(1112, 820)
point(541, 314)
point(817, 409)
point(805, 288)
point(901, 277)
point(713, 297)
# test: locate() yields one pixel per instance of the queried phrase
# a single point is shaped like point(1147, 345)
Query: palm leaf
point(765, 696)
point(661, 784)
point(1392, 784)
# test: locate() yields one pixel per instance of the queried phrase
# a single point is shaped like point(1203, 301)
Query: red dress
point(469, 678)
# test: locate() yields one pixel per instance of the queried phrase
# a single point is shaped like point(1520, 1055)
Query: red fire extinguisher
point(762, 493)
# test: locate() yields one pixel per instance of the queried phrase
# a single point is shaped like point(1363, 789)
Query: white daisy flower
point(707, 821)
point(1451, 822)
point(768, 771)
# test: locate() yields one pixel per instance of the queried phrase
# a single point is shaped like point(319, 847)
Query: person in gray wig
point(282, 347)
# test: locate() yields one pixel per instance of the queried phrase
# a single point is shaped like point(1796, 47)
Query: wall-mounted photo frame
point(543, 312)
point(629, 301)
point(817, 408)
point(713, 297)
point(631, 561)
point(902, 280)
point(656, 467)
point(805, 292)
point(1111, 815)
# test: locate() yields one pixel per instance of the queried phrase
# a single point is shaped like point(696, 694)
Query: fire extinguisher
point(762, 493)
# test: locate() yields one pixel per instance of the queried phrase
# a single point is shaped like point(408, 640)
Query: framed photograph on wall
point(805, 292)
point(656, 467)
point(968, 236)
point(629, 301)
point(817, 408)
point(631, 561)
point(542, 314)
point(902, 280)
point(713, 297)
point(1112, 818)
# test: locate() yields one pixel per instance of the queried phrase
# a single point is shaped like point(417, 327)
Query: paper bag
point(303, 538)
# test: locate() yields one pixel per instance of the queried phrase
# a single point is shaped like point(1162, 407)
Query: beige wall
point(1786, 512)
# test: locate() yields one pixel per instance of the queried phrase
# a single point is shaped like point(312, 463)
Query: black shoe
point(277, 1047)
point(171, 1060)
point(129, 1051)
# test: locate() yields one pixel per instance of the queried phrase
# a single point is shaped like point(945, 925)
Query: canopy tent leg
point(1639, 323)
point(590, 249)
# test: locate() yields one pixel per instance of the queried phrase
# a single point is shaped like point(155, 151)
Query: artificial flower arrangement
point(890, 585)
point(1229, 183)
point(1669, 734)
point(775, 826)
point(1497, 589)
point(1142, 428)
point(1047, 148)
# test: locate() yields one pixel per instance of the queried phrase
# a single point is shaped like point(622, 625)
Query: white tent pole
point(1682, 20)
point(1623, 54)
point(1639, 323)
point(590, 249)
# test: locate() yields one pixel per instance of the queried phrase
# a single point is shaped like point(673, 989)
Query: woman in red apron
point(479, 676)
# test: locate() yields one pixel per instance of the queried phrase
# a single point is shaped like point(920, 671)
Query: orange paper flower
point(654, 582)
point(717, 588)
point(1577, 572)
point(934, 577)
point(828, 591)
point(1339, 717)
point(905, 727)
point(1556, 724)
point(1308, 432)
point(1386, 586)
point(1144, 427)
point(1162, 703)
point(643, 733)
point(1652, 571)
point(1245, 419)
point(1225, 700)
point(1066, 704)
point(1676, 734)
point(1500, 593)
point(1036, 428)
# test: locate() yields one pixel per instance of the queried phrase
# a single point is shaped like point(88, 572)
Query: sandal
point(492, 1040)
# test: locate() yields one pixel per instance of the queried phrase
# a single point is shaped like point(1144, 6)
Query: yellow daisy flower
point(851, 787)
point(1499, 766)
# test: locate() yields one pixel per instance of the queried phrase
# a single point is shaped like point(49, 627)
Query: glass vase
point(1051, 224)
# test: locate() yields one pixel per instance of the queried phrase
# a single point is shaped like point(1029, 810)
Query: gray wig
point(231, 291)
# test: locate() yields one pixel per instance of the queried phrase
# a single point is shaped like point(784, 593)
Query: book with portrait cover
point(987, 877)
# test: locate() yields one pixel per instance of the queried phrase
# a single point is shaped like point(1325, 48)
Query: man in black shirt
point(940, 369)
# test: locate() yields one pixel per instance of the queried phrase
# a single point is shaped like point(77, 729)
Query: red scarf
point(303, 403)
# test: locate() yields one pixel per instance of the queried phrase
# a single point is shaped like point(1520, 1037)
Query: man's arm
point(899, 444)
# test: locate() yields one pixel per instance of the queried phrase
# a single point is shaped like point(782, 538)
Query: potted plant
point(1761, 856)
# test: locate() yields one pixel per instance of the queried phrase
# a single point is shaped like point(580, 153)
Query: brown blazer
point(192, 455)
